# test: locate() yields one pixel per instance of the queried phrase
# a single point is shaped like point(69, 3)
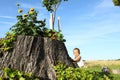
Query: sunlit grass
point(103, 63)
point(98, 64)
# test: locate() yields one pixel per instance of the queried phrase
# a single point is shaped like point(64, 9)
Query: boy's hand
point(71, 59)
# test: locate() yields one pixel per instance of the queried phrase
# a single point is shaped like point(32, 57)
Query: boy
point(78, 58)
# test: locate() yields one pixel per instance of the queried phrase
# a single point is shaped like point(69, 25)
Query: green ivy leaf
point(21, 78)
point(1, 79)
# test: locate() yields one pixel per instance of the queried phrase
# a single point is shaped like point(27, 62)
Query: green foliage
point(50, 4)
point(53, 34)
point(116, 76)
point(28, 24)
point(6, 43)
point(11, 74)
point(68, 73)
point(112, 67)
point(116, 2)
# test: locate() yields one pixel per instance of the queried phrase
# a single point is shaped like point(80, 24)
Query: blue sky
point(91, 25)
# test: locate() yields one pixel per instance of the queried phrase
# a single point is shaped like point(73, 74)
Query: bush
point(68, 73)
point(11, 74)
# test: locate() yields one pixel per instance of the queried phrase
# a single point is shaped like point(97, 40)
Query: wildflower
point(20, 10)
point(31, 12)
point(31, 9)
point(25, 16)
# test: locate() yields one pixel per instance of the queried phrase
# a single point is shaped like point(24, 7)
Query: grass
point(98, 64)
point(103, 62)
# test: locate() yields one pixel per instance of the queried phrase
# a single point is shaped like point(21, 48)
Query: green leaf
point(6, 71)
point(12, 75)
point(19, 73)
point(11, 79)
point(21, 78)
point(29, 74)
point(50, 4)
point(116, 2)
point(1, 79)
point(69, 73)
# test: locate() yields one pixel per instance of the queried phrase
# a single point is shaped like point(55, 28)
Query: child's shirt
point(80, 62)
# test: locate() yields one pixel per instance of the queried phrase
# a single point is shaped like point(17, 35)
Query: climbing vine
point(7, 42)
point(11, 74)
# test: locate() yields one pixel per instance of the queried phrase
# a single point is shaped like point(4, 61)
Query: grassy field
point(97, 65)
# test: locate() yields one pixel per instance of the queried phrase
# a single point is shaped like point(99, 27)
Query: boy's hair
point(77, 49)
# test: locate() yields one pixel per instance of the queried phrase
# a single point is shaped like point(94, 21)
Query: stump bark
point(37, 55)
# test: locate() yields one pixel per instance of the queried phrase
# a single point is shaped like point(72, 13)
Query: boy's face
point(75, 52)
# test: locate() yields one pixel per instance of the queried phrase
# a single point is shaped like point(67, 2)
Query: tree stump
point(36, 55)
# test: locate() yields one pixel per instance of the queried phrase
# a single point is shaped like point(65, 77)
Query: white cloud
point(9, 17)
